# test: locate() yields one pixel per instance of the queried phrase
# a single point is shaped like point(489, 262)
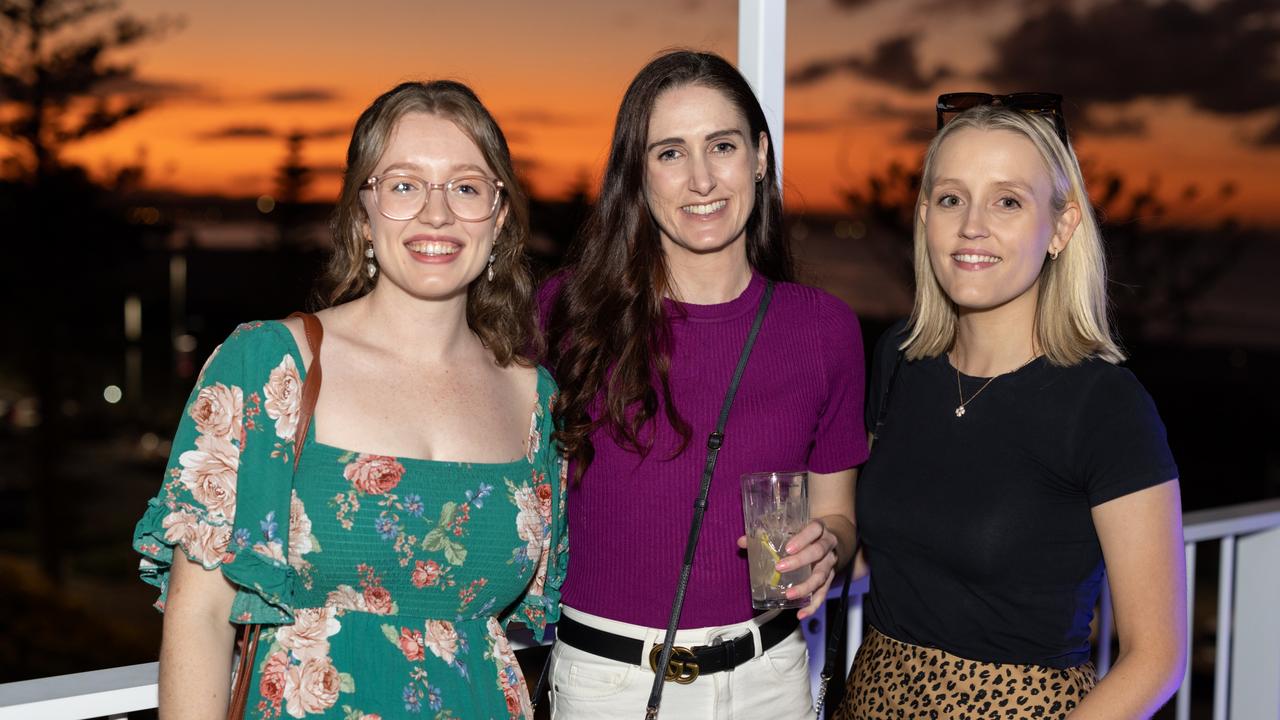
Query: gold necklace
point(960, 390)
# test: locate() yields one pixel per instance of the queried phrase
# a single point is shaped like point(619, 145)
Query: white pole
point(762, 59)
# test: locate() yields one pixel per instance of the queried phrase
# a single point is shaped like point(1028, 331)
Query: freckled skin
point(433, 148)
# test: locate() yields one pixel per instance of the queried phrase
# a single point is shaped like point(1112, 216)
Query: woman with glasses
point(425, 508)
point(1014, 459)
point(646, 327)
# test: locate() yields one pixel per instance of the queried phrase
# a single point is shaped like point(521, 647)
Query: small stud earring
point(371, 267)
point(1053, 254)
point(759, 177)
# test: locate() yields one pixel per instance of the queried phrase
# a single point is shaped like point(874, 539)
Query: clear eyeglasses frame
point(403, 196)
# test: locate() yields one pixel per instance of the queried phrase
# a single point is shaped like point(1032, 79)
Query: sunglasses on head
point(1036, 103)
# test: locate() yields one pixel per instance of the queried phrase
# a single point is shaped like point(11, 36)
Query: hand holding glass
point(775, 506)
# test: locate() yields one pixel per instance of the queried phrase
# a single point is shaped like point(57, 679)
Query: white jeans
point(773, 686)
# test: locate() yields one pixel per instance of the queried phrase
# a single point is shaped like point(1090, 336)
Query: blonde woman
point(1016, 461)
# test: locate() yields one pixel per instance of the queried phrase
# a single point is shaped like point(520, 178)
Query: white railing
point(1246, 660)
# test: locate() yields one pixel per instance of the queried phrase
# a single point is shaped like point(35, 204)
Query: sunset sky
point(1180, 93)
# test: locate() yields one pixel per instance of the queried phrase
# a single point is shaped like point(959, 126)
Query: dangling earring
point(492, 255)
point(371, 266)
point(1053, 254)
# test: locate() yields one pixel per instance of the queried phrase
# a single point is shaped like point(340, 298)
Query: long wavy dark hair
point(500, 312)
point(608, 338)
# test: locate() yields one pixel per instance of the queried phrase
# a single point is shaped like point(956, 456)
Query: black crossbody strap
point(839, 625)
point(714, 442)
point(836, 634)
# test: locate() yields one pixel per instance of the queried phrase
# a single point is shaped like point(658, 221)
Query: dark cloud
point(932, 6)
point(329, 133)
point(1224, 58)
point(152, 89)
point(812, 125)
point(239, 132)
point(251, 131)
point(922, 114)
point(1269, 137)
point(962, 6)
point(883, 109)
point(531, 116)
point(300, 95)
point(893, 62)
point(919, 122)
point(1122, 126)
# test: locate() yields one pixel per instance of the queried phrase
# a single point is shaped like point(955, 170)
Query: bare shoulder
point(299, 331)
point(523, 381)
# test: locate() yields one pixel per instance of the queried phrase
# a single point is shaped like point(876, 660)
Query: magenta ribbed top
point(799, 406)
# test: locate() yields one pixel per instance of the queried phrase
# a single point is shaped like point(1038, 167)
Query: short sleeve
point(541, 602)
point(840, 442)
point(1123, 447)
point(226, 496)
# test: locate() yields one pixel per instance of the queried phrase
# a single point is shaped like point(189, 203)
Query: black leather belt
point(686, 663)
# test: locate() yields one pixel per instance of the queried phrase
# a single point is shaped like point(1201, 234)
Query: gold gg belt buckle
point(682, 667)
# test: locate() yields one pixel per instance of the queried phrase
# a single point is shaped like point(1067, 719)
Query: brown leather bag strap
point(311, 386)
point(248, 633)
point(248, 653)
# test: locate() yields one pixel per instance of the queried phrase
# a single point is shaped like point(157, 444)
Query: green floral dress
point(385, 582)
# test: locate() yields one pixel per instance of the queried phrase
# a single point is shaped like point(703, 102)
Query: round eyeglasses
point(401, 196)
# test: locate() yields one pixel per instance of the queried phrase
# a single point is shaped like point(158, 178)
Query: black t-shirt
point(978, 528)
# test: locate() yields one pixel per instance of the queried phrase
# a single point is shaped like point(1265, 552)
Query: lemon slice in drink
point(763, 538)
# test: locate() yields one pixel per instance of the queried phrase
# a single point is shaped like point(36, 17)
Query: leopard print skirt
point(892, 679)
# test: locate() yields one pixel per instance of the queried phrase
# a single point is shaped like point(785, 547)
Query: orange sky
point(553, 73)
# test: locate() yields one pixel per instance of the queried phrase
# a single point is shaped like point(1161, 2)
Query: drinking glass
point(775, 506)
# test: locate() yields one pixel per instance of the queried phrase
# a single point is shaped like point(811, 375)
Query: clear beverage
point(775, 506)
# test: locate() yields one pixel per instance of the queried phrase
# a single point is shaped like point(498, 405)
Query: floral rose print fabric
point(384, 583)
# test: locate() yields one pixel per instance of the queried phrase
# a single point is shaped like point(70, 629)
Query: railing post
point(1222, 652)
point(762, 59)
point(1255, 650)
point(1183, 709)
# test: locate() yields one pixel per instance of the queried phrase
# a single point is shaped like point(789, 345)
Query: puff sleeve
point(540, 603)
point(226, 496)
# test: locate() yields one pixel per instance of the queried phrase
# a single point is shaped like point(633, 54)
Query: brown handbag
point(247, 639)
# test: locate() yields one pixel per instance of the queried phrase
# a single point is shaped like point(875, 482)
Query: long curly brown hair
point(499, 312)
point(607, 332)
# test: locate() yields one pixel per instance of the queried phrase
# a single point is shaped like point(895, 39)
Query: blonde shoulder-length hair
point(1072, 321)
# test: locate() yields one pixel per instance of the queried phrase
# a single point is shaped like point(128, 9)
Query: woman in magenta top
point(645, 330)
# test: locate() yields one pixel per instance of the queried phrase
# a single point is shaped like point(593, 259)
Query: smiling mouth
point(977, 259)
point(433, 248)
point(706, 209)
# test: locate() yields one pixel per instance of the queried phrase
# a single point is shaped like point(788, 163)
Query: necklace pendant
point(960, 411)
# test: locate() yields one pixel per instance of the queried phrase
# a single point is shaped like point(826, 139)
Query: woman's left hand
point(814, 545)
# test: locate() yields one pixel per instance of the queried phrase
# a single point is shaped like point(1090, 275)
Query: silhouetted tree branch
point(66, 85)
